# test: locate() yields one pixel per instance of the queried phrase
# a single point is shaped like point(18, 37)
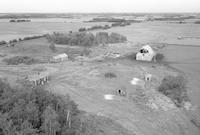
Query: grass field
point(143, 111)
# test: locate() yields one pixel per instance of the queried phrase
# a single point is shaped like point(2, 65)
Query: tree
point(6, 125)
point(51, 125)
point(52, 47)
point(27, 129)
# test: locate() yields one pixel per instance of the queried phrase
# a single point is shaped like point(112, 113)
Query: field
point(142, 110)
point(181, 54)
point(40, 26)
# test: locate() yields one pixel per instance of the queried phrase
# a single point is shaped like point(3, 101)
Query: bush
point(82, 29)
point(116, 24)
point(20, 59)
point(110, 75)
point(159, 57)
point(52, 47)
point(197, 22)
point(3, 42)
point(175, 89)
point(74, 52)
point(106, 27)
point(131, 56)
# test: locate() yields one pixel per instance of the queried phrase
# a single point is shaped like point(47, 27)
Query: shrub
point(110, 75)
point(131, 56)
point(197, 22)
point(175, 89)
point(74, 52)
point(3, 42)
point(85, 52)
point(159, 57)
point(106, 27)
point(82, 29)
point(116, 24)
point(20, 59)
point(52, 47)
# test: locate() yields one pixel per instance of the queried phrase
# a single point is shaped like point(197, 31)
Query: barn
point(146, 53)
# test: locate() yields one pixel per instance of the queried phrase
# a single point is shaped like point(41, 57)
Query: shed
point(146, 53)
point(60, 57)
point(39, 79)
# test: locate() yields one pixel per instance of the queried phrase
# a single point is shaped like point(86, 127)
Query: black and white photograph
point(99, 67)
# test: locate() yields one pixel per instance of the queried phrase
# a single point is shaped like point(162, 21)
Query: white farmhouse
point(146, 53)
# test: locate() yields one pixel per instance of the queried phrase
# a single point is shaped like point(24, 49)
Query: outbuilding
point(39, 78)
point(60, 57)
point(146, 53)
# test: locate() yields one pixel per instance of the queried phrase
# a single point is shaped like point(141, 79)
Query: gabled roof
point(147, 47)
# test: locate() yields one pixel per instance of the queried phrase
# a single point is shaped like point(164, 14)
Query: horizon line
point(92, 12)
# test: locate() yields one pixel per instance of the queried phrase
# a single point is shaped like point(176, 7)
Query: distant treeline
point(174, 18)
point(35, 15)
point(111, 20)
point(85, 38)
point(21, 39)
point(105, 19)
point(96, 27)
point(20, 20)
point(105, 27)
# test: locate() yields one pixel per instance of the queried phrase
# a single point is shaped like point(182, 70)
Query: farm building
point(146, 53)
point(60, 57)
point(39, 79)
